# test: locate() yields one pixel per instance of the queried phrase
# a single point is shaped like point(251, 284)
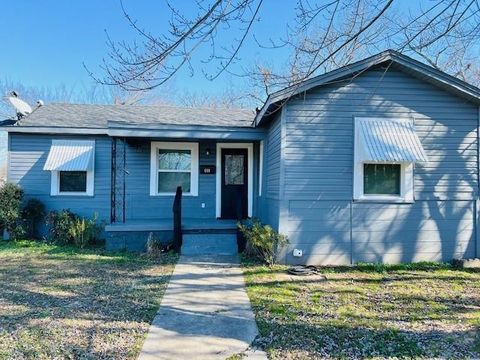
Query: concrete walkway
point(205, 313)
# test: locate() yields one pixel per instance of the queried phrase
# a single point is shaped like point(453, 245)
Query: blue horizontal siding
point(269, 202)
point(139, 203)
point(27, 156)
point(323, 220)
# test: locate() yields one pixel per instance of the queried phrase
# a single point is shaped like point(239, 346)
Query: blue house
point(377, 161)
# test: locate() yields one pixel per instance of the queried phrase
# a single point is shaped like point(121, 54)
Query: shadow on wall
point(438, 226)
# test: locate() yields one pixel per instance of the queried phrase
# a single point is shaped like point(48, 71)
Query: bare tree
point(322, 35)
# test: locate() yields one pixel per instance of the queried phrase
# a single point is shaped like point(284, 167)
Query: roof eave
point(321, 80)
point(457, 86)
point(54, 130)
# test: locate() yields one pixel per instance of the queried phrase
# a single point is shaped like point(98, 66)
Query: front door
point(234, 184)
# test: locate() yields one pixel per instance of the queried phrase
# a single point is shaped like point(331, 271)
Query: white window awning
point(70, 155)
point(389, 140)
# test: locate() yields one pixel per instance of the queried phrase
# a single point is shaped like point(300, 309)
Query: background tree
point(323, 34)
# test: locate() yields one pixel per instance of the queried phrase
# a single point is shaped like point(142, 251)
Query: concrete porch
point(188, 224)
point(133, 234)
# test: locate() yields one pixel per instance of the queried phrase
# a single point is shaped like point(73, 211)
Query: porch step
point(209, 244)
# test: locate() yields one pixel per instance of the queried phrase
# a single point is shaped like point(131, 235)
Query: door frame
point(218, 191)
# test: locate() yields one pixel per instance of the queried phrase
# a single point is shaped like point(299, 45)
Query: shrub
point(60, 223)
point(65, 227)
point(85, 231)
point(32, 213)
point(263, 243)
point(11, 197)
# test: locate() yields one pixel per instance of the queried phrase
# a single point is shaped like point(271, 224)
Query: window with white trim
point(382, 179)
point(72, 167)
point(385, 151)
point(171, 165)
point(74, 183)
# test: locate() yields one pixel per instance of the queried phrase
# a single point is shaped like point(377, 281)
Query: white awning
point(70, 155)
point(385, 140)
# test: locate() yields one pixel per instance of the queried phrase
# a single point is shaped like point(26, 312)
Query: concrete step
point(209, 244)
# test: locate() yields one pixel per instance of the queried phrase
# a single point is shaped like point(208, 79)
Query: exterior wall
point(320, 216)
point(141, 206)
point(270, 199)
point(27, 156)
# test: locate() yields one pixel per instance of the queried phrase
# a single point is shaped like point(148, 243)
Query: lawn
point(62, 302)
point(410, 311)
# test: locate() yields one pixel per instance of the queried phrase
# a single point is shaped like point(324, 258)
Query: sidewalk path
point(205, 313)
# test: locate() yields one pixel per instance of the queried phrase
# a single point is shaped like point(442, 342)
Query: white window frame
point(157, 145)
point(218, 191)
point(406, 174)
point(55, 185)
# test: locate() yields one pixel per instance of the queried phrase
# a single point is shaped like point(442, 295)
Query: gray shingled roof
point(97, 116)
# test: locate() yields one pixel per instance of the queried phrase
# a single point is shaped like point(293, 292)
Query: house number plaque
point(207, 169)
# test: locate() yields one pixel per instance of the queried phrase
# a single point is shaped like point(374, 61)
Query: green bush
point(65, 227)
point(32, 214)
point(11, 197)
point(263, 243)
point(60, 223)
point(85, 231)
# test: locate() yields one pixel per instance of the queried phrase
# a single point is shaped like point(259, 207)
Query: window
point(385, 151)
point(72, 167)
point(381, 179)
point(72, 181)
point(173, 165)
point(234, 170)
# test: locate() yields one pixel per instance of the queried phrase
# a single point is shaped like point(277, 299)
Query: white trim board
point(218, 190)
point(260, 168)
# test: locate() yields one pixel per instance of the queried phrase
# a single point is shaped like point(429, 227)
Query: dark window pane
point(73, 181)
point(168, 181)
point(234, 170)
point(174, 159)
point(381, 179)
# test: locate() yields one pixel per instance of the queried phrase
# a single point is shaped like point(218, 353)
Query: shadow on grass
point(403, 311)
point(55, 298)
point(347, 341)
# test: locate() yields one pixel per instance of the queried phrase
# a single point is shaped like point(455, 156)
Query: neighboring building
point(374, 162)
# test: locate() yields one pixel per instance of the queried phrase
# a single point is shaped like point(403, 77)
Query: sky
point(46, 43)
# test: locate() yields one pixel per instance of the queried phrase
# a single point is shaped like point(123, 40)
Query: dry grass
point(65, 303)
point(413, 311)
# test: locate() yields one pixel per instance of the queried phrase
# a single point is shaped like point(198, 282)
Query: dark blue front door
point(234, 184)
